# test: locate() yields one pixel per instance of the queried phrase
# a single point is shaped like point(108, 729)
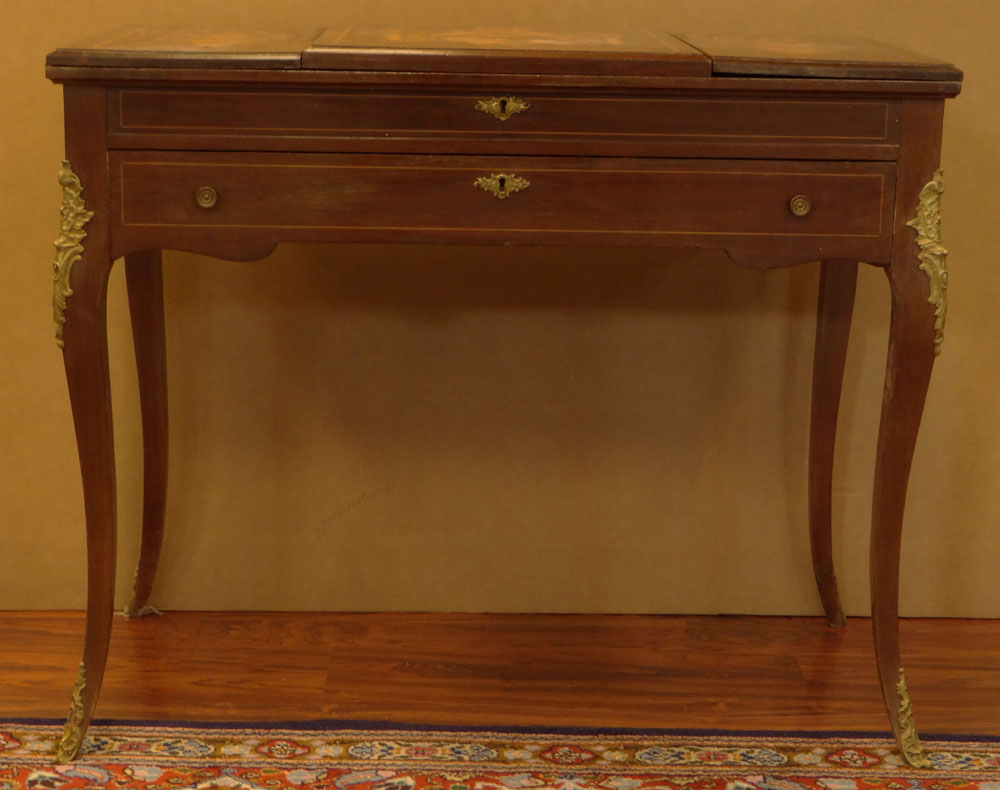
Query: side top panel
point(188, 47)
point(844, 58)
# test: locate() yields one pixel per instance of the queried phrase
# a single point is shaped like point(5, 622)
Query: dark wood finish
point(144, 282)
point(85, 356)
point(423, 81)
point(755, 673)
point(851, 58)
point(626, 145)
point(691, 203)
point(288, 114)
point(837, 283)
point(907, 376)
point(555, 124)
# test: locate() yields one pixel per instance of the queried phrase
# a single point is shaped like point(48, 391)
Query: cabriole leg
point(837, 283)
point(917, 281)
point(80, 299)
point(144, 279)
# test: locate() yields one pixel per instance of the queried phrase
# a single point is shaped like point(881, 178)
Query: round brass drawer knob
point(206, 197)
point(800, 205)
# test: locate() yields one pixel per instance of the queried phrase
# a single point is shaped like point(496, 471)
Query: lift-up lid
point(638, 52)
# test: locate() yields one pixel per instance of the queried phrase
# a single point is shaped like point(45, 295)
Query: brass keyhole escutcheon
point(206, 197)
point(800, 205)
point(502, 107)
point(502, 185)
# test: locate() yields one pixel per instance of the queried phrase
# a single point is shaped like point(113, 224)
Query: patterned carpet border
point(379, 756)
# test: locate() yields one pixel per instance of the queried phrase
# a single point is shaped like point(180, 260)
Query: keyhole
point(502, 183)
point(503, 106)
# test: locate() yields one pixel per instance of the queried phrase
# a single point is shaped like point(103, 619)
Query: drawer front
point(627, 200)
point(540, 118)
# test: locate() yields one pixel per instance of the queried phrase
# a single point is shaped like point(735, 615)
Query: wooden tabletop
point(634, 52)
point(850, 58)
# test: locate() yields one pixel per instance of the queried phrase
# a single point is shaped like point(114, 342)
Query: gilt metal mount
point(72, 737)
point(932, 253)
point(69, 245)
point(909, 741)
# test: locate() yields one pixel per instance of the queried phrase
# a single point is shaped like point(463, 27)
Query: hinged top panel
point(636, 52)
point(845, 58)
point(145, 46)
point(630, 54)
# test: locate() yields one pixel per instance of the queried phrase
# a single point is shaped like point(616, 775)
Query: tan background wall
point(372, 427)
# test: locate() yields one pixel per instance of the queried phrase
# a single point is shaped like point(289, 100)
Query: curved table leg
point(837, 283)
point(911, 355)
point(80, 300)
point(144, 279)
point(917, 281)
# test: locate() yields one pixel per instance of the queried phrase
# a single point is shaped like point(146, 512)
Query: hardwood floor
point(507, 669)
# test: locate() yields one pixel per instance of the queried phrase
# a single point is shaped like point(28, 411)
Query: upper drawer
point(486, 122)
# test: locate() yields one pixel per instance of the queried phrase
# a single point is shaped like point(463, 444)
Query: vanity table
point(227, 143)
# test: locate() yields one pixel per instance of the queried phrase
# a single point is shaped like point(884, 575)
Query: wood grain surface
point(507, 669)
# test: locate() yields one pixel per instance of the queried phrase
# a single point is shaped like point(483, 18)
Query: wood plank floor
point(507, 669)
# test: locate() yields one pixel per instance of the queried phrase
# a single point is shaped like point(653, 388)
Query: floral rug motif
point(345, 756)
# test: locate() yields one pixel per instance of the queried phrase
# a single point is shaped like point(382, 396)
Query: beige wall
point(366, 427)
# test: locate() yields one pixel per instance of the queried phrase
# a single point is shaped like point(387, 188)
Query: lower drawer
point(312, 197)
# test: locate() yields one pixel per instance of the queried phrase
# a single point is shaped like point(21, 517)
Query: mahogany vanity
point(227, 143)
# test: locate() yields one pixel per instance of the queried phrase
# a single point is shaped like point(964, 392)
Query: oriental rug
point(366, 756)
